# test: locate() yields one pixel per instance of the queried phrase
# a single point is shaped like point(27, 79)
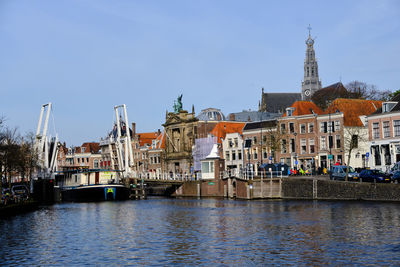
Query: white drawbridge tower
point(45, 146)
point(123, 142)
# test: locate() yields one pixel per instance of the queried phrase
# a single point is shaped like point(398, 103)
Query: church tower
point(311, 82)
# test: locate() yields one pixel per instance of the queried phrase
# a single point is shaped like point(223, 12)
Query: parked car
point(377, 176)
point(20, 192)
point(339, 173)
point(396, 177)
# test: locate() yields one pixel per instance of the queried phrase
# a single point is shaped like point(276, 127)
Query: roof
point(211, 114)
point(160, 142)
point(395, 108)
point(248, 115)
point(278, 102)
point(260, 124)
point(146, 138)
point(222, 128)
point(353, 108)
point(305, 108)
point(334, 87)
point(324, 96)
point(92, 147)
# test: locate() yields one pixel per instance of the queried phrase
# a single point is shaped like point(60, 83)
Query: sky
point(87, 56)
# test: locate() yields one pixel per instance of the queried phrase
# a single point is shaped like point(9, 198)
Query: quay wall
point(290, 188)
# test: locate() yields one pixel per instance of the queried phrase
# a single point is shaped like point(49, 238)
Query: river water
point(187, 232)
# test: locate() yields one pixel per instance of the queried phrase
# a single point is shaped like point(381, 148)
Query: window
point(330, 140)
point(236, 141)
point(331, 127)
point(83, 149)
point(337, 125)
point(354, 141)
point(292, 146)
point(255, 139)
point(96, 164)
point(239, 154)
point(291, 127)
point(323, 142)
point(302, 128)
point(311, 145)
point(283, 128)
point(396, 126)
point(255, 156)
point(233, 155)
point(311, 127)
point(227, 156)
point(338, 141)
point(385, 107)
point(284, 146)
point(303, 144)
point(375, 130)
point(265, 153)
point(230, 144)
point(207, 167)
point(386, 129)
point(289, 112)
point(323, 127)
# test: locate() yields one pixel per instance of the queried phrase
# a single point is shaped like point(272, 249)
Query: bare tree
point(273, 139)
point(362, 90)
point(353, 138)
point(10, 153)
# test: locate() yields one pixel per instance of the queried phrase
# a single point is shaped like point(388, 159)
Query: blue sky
point(88, 56)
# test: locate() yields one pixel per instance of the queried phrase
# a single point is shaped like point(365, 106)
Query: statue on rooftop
point(178, 104)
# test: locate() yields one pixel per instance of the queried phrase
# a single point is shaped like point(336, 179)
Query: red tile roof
point(146, 138)
point(353, 108)
point(222, 128)
point(305, 108)
point(160, 144)
point(92, 147)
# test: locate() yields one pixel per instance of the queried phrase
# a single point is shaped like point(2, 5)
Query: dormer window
point(387, 106)
point(83, 149)
point(289, 111)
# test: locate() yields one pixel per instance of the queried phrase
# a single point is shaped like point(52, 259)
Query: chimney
point(133, 129)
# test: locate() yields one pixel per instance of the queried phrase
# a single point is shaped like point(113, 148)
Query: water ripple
point(204, 232)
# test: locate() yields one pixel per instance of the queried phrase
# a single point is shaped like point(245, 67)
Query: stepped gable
point(305, 108)
point(353, 108)
point(222, 128)
point(278, 102)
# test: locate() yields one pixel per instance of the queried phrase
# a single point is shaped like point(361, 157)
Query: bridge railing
point(250, 175)
point(169, 176)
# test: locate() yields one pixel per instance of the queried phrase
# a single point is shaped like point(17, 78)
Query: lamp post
point(329, 141)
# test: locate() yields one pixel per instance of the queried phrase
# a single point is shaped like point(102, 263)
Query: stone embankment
point(290, 188)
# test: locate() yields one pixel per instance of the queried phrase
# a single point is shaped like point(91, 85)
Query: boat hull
point(95, 193)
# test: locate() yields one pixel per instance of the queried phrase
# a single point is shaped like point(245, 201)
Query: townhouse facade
point(260, 144)
point(299, 130)
point(384, 135)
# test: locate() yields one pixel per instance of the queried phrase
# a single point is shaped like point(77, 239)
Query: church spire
point(311, 82)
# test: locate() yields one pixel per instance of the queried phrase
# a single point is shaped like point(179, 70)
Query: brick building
point(299, 130)
point(384, 135)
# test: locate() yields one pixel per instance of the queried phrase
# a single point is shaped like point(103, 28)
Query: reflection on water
point(204, 232)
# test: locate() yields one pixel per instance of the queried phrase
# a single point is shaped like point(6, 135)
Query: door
point(97, 178)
